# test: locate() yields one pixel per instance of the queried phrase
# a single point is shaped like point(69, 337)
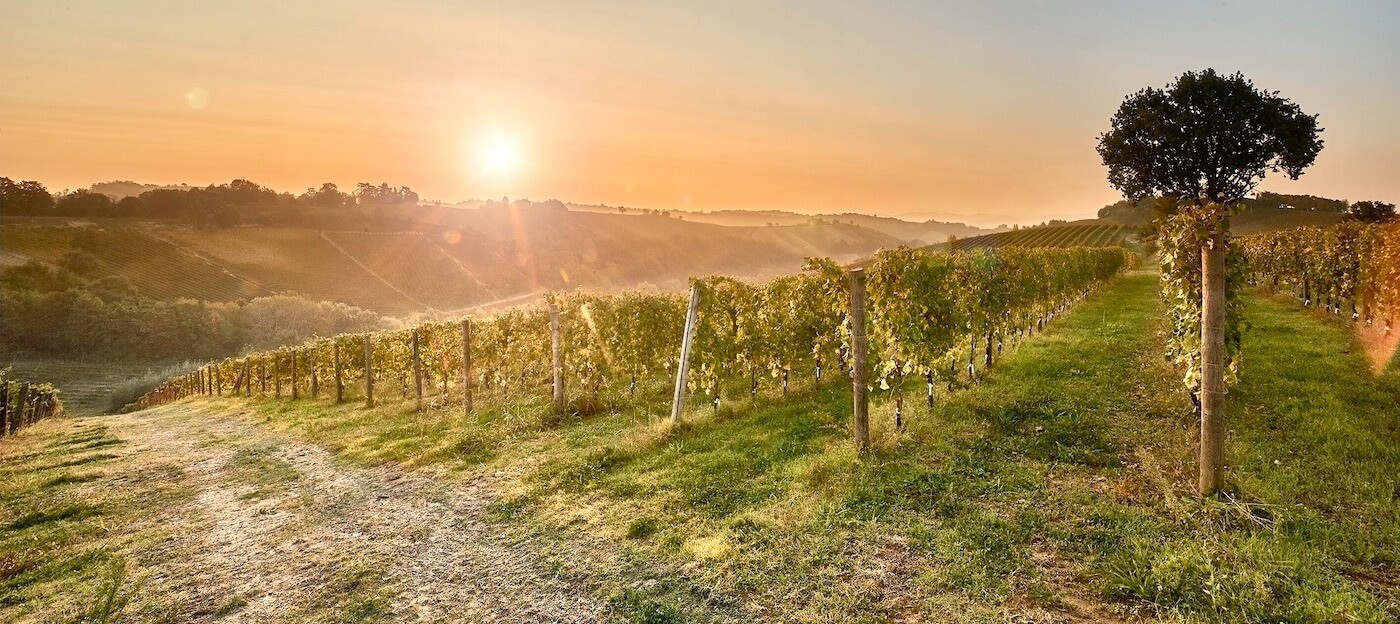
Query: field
point(1056, 490)
point(157, 267)
point(1094, 235)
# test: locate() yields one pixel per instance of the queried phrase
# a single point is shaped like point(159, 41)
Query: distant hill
point(468, 258)
point(913, 233)
point(117, 189)
point(1265, 213)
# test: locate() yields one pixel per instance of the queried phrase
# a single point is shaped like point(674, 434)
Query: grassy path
point(1057, 490)
point(192, 514)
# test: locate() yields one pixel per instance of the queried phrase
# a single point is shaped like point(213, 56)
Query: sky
point(985, 112)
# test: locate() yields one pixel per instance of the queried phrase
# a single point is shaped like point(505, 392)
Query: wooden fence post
point(315, 387)
point(339, 379)
point(17, 418)
point(369, 371)
point(4, 407)
point(859, 384)
point(248, 376)
point(262, 374)
point(467, 365)
point(277, 372)
point(218, 380)
point(417, 371)
point(556, 343)
point(683, 365)
point(294, 374)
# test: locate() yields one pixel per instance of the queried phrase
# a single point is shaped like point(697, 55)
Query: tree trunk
point(1212, 461)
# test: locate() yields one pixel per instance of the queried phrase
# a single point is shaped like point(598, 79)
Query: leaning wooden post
point(294, 374)
point(467, 365)
point(339, 377)
point(556, 343)
point(417, 371)
point(683, 365)
point(369, 371)
point(859, 384)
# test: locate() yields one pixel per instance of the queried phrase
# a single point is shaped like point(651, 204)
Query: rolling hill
point(464, 258)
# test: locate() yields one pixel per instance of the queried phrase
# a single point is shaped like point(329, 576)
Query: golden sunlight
point(499, 156)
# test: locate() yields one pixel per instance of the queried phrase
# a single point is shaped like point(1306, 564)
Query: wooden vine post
point(683, 365)
point(218, 381)
point(4, 407)
point(1212, 468)
point(315, 387)
point(17, 417)
point(860, 385)
point(248, 376)
point(294, 374)
point(417, 371)
point(369, 371)
point(556, 343)
point(339, 378)
point(277, 373)
point(262, 374)
point(467, 365)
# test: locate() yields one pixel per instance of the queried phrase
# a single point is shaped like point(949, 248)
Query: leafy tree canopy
point(1207, 137)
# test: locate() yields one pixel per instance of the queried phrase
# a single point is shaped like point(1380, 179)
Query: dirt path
point(278, 529)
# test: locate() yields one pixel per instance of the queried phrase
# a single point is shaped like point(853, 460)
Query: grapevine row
point(929, 315)
point(24, 403)
point(1351, 267)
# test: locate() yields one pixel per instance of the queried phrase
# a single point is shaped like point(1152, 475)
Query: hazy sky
point(986, 111)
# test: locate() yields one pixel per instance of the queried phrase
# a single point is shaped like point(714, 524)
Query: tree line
point(240, 202)
point(53, 312)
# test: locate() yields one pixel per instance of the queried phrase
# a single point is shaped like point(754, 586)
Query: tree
point(24, 198)
point(1371, 211)
point(1206, 141)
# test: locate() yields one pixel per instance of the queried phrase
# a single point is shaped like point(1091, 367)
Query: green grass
point(1063, 482)
point(65, 535)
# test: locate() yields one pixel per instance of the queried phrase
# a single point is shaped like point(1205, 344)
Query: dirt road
point(276, 528)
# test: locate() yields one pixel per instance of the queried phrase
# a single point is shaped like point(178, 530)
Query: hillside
point(465, 258)
point(1121, 229)
point(1074, 235)
point(915, 233)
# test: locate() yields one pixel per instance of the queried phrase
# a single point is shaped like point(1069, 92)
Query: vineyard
point(940, 318)
point(1092, 235)
point(24, 403)
point(1351, 268)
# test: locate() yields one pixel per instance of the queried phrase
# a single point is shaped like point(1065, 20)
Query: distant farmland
point(1091, 235)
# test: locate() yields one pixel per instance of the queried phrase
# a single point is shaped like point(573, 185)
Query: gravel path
point(282, 535)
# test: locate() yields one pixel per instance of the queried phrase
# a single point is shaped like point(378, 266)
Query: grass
point(67, 535)
point(1061, 484)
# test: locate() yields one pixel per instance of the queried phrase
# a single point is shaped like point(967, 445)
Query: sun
point(499, 156)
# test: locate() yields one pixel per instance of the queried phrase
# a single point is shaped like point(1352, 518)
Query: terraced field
point(1084, 235)
point(298, 262)
point(415, 265)
point(158, 268)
